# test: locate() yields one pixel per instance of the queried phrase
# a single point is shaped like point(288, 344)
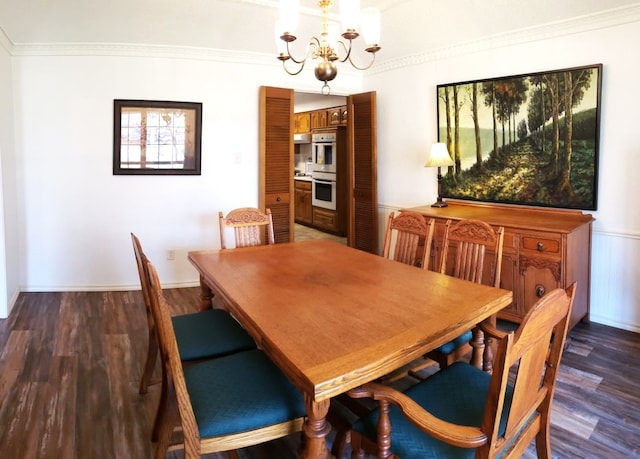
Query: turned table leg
point(206, 295)
point(316, 428)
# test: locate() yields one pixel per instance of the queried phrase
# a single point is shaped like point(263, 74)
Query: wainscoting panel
point(615, 276)
point(615, 280)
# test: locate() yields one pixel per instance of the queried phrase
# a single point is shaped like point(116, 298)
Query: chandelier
point(328, 48)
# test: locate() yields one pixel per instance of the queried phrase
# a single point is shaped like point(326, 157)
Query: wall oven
point(323, 190)
point(323, 146)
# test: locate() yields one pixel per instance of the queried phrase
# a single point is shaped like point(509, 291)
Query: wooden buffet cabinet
point(543, 249)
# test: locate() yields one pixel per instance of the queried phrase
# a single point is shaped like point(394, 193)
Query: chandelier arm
point(314, 43)
point(346, 50)
point(373, 59)
point(301, 63)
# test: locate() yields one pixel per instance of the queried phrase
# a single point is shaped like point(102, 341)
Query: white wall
point(9, 285)
point(75, 216)
point(407, 120)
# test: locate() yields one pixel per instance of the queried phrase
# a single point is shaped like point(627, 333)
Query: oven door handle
point(324, 181)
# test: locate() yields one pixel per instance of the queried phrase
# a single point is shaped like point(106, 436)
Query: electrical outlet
point(171, 254)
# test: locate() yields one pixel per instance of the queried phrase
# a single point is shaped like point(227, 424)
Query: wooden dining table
point(333, 317)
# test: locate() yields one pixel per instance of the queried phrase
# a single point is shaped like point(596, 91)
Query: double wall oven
point(323, 177)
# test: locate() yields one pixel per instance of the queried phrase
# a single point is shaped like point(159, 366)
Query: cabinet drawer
point(303, 185)
point(325, 219)
point(547, 244)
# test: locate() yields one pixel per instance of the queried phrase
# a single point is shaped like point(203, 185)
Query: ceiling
point(408, 26)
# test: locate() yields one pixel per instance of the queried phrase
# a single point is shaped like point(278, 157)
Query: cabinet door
point(318, 119)
point(509, 281)
point(334, 117)
point(538, 275)
point(302, 122)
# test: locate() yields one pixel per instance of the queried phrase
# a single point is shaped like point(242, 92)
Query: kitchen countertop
point(304, 178)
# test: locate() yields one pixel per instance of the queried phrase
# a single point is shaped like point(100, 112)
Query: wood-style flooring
point(70, 366)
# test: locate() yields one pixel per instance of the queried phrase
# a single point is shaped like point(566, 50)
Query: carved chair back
point(408, 239)
point(250, 225)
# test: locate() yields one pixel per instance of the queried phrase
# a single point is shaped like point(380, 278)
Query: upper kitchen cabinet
point(319, 119)
point(337, 116)
point(302, 123)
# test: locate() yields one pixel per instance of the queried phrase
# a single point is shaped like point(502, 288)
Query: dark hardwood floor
point(70, 366)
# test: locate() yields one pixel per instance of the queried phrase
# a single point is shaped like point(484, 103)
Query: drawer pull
point(540, 246)
point(540, 291)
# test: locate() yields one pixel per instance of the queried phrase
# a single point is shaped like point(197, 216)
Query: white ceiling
point(408, 26)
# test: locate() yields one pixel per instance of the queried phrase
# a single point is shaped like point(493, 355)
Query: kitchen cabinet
point(543, 249)
point(303, 207)
point(302, 123)
point(319, 119)
point(337, 116)
point(326, 219)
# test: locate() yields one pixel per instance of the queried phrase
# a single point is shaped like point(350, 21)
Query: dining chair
point(222, 404)
point(200, 335)
point(464, 412)
point(408, 238)
point(250, 225)
point(472, 251)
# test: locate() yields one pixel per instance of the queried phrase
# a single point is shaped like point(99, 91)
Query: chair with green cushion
point(471, 250)
point(464, 412)
point(200, 335)
point(222, 404)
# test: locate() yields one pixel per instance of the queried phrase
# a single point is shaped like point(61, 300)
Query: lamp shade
point(439, 156)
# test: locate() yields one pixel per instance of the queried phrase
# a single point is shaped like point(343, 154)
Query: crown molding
point(605, 19)
point(5, 42)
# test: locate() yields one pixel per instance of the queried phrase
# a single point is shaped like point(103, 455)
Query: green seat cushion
point(448, 348)
point(210, 333)
point(241, 392)
point(456, 394)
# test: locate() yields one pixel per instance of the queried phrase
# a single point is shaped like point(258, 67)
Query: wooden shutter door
point(363, 230)
point(276, 159)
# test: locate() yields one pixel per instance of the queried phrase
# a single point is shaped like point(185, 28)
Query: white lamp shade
point(439, 156)
point(371, 26)
point(289, 13)
point(350, 14)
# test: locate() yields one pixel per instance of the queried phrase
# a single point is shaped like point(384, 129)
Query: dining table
point(333, 317)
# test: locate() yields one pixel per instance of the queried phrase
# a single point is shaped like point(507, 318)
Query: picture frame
point(156, 137)
point(508, 138)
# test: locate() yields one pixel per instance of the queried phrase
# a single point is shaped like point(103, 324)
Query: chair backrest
point(172, 365)
point(141, 262)
point(464, 251)
point(251, 227)
point(532, 356)
point(411, 236)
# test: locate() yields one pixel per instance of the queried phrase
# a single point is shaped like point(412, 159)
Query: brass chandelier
point(326, 47)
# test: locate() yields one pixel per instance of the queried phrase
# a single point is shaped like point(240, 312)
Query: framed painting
point(156, 137)
point(525, 139)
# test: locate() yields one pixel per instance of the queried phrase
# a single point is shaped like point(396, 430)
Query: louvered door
point(363, 202)
point(276, 159)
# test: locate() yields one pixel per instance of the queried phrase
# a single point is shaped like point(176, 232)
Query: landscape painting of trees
point(527, 139)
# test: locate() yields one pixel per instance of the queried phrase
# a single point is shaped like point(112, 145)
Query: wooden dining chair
point(472, 251)
point(408, 238)
point(222, 404)
point(200, 335)
point(251, 227)
point(464, 412)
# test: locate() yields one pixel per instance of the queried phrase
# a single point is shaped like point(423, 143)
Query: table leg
point(206, 295)
point(316, 428)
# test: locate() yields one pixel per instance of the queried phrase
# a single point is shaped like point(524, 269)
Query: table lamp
point(439, 157)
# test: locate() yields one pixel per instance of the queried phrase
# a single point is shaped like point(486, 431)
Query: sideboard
point(543, 249)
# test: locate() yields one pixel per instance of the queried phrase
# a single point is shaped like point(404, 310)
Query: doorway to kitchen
point(305, 233)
